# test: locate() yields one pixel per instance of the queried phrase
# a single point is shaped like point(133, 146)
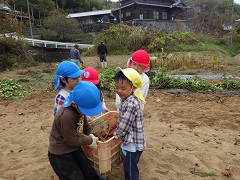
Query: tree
point(61, 27)
point(42, 6)
point(8, 23)
point(209, 16)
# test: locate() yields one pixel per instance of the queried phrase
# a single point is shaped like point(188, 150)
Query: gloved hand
point(94, 143)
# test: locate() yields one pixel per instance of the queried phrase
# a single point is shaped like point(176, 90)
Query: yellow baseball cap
point(135, 78)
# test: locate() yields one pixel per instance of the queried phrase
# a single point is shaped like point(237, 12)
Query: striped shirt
point(130, 126)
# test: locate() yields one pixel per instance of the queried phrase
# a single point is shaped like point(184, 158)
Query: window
point(155, 15)
point(128, 14)
point(164, 15)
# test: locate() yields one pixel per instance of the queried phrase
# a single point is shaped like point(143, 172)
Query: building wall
point(146, 12)
point(94, 19)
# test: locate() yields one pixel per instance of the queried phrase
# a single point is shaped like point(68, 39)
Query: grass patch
point(207, 174)
point(83, 38)
point(39, 78)
point(203, 47)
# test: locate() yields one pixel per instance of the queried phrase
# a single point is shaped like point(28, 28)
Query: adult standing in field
point(74, 55)
point(102, 53)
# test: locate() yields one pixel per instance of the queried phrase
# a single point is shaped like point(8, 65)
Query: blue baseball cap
point(66, 69)
point(87, 97)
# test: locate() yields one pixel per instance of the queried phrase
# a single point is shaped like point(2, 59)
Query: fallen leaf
point(229, 171)
point(196, 134)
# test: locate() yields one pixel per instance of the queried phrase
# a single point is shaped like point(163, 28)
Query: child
point(70, 130)
point(91, 75)
point(68, 75)
point(130, 126)
point(140, 62)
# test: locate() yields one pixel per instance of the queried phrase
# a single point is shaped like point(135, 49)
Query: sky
point(236, 1)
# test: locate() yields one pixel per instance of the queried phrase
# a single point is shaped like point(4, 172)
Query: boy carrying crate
point(130, 126)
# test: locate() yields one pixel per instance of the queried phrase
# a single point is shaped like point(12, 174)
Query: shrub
point(122, 38)
point(177, 38)
point(14, 54)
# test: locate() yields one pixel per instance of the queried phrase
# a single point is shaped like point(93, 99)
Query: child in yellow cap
point(140, 62)
point(130, 126)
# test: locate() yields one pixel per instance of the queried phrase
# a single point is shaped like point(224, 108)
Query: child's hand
point(89, 119)
point(105, 110)
point(94, 143)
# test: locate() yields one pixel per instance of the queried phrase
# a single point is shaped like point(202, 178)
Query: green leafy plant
point(164, 80)
point(9, 89)
point(106, 80)
point(214, 60)
point(230, 83)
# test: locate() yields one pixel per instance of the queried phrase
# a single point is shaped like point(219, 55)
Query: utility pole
point(232, 28)
point(30, 20)
point(57, 4)
point(32, 16)
point(14, 6)
point(39, 17)
point(120, 13)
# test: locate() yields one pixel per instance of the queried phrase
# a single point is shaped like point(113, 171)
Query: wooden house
point(150, 10)
point(151, 14)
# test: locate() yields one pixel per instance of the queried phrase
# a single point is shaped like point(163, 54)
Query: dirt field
point(188, 136)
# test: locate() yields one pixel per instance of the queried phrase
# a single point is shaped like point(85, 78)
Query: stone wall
point(41, 54)
point(166, 26)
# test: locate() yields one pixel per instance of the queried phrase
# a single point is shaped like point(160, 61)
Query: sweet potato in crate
point(108, 154)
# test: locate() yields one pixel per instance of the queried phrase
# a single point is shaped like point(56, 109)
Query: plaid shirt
point(131, 123)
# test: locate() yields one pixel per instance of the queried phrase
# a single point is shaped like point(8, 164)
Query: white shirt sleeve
point(118, 101)
point(145, 86)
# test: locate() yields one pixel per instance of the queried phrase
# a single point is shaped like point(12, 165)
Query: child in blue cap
point(70, 131)
point(91, 75)
point(68, 75)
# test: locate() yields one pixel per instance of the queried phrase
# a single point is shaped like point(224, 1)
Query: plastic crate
point(108, 154)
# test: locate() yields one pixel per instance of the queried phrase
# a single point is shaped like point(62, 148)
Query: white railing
point(45, 43)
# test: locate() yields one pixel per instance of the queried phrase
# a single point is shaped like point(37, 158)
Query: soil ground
point(189, 136)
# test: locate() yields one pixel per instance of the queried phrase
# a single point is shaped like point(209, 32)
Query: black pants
point(130, 162)
point(102, 57)
point(72, 166)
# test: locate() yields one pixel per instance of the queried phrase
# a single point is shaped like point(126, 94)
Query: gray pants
point(74, 61)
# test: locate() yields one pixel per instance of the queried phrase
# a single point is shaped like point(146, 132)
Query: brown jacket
point(63, 137)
